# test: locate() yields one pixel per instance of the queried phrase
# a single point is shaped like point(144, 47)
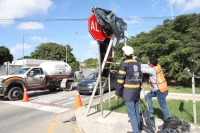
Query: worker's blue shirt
point(129, 80)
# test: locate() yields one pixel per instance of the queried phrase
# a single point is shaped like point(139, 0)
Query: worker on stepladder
point(128, 86)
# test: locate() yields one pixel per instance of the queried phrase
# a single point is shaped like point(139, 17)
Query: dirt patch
point(76, 128)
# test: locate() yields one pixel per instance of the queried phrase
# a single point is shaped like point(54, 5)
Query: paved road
point(41, 113)
point(59, 98)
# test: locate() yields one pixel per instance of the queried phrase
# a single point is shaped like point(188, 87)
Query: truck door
point(37, 78)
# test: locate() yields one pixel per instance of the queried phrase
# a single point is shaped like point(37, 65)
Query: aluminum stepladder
point(108, 59)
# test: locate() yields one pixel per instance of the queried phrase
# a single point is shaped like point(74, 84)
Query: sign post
point(97, 33)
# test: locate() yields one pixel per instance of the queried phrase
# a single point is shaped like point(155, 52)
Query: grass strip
point(180, 108)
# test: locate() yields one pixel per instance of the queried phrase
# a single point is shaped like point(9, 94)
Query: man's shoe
point(129, 132)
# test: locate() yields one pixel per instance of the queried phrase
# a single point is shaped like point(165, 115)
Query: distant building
point(82, 64)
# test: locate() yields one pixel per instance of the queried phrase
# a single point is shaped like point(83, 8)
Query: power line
point(70, 19)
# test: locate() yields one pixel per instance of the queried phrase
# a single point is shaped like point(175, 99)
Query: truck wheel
point(69, 86)
point(15, 93)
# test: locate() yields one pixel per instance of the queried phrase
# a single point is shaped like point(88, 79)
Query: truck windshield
point(21, 71)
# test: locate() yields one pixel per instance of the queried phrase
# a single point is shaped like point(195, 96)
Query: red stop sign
point(95, 29)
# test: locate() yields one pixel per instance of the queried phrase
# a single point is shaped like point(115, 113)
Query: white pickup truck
point(49, 75)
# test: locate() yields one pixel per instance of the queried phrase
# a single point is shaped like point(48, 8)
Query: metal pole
point(172, 13)
point(100, 83)
point(193, 88)
point(66, 52)
point(7, 68)
point(23, 49)
point(68, 42)
point(110, 104)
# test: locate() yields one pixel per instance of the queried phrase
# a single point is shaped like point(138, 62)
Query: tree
point(5, 55)
point(54, 51)
point(25, 57)
point(91, 62)
point(172, 43)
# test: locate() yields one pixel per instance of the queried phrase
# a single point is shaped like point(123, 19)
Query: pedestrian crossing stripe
point(47, 108)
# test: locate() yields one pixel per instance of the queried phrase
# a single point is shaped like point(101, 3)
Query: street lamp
point(68, 41)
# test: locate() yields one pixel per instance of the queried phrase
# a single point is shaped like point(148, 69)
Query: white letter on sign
point(97, 26)
point(92, 26)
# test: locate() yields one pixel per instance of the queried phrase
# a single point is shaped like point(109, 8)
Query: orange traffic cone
point(25, 98)
point(78, 100)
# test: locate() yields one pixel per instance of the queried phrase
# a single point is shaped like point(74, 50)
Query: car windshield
point(91, 76)
point(21, 71)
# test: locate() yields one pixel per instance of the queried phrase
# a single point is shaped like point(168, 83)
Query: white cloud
point(30, 26)
point(155, 2)
point(178, 2)
point(185, 5)
point(18, 48)
point(12, 9)
point(92, 53)
point(114, 7)
point(86, 36)
point(93, 43)
point(38, 38)
point(133, 19)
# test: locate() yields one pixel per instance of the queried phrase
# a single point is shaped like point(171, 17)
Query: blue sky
point(41, 21)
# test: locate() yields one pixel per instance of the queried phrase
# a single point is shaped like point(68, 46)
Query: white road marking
point(73, 102)
point(46, 96)
point(48, 100)
point(37, 106)
point(65, 100)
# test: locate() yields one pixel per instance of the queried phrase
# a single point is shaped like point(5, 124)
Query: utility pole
point(172, 12)
point(193, 87)
point(23, 48)
point(66, 52)
point(68, 42)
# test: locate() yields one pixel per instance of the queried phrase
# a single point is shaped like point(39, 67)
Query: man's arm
point(145, 68)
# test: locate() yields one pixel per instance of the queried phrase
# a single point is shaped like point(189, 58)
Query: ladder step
point(95, 104)
point(112, 62)
point(113, 47)
point(106, 67)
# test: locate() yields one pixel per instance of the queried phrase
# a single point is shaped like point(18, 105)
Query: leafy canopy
point(5, 55)
point(54, 51)
point(91, 62)
point(172, 43)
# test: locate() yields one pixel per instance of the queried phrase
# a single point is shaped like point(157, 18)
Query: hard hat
point(127, 50)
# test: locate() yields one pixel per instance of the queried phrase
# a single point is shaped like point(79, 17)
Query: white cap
point(127, 50)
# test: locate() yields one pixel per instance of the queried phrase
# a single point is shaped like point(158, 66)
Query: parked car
point(86, 85)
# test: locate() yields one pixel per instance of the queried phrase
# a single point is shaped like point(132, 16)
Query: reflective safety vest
point(160, 79)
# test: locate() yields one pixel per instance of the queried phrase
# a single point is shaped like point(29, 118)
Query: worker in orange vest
point(158, 85)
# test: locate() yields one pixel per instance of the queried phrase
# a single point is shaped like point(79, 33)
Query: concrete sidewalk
point(111, 122)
